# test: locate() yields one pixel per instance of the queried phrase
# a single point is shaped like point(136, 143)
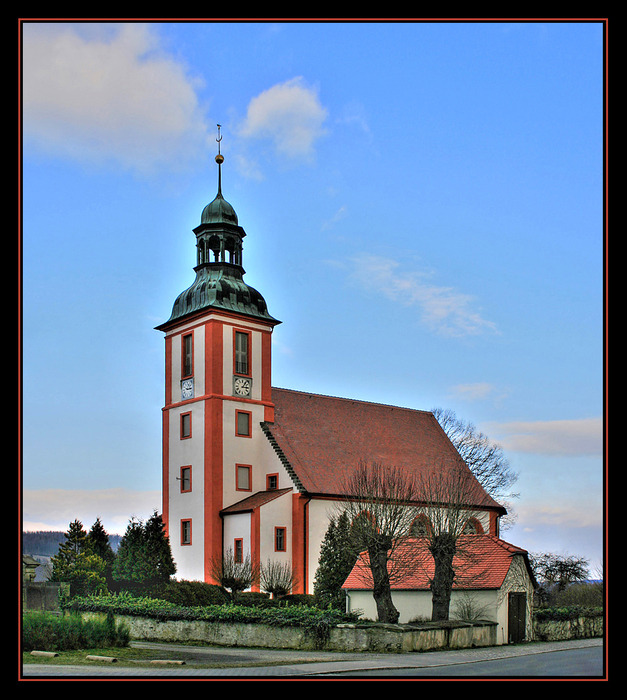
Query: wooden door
point(517, 617)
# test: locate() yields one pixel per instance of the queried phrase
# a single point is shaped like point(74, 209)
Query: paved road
point(575, 658)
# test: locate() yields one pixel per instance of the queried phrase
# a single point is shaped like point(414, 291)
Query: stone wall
point(375, 637)
point(578, 628)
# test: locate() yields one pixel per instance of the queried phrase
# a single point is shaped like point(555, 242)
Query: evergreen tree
point(77, 564)
point(98, 541)
point(158, 550)
point(337, 558)
point(144, 557)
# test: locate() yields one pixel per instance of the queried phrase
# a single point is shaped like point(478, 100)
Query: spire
point(219, 267)
point(219, 211)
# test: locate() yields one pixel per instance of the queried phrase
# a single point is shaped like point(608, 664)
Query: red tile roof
point(319, 438)
point(255, 501)
point(482, 562)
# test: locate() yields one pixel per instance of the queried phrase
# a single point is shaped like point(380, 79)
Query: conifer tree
point(144, 556)
point(76, 563)
point(98, 541)
point(337, 558)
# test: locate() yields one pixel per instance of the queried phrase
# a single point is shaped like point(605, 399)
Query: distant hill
point(45, 543)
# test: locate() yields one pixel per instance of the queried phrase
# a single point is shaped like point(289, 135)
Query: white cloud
point(443, 309)
point(476, 391)
point(577, 437)
point(55, 509)
point(107, 93)
point(290, 115)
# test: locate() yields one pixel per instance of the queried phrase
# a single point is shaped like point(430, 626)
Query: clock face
point(187, 389)
point(242, 386)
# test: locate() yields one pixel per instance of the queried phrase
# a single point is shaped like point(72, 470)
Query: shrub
point(50, 632)
point(566, 613)
point(190, 593)
point(299, 599)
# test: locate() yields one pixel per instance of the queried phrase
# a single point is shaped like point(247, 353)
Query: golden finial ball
point(219, 159)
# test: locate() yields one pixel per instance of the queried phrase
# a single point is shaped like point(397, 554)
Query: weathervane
point(219, 158)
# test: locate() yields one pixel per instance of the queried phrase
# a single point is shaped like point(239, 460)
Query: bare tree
point(234, 574)
point(555, 572)
point(445, 499)
point(378, 506)
point(277, 578)
point(485, 459)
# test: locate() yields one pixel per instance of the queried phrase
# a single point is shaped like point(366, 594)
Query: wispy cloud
point(578, 437)
point(477, 391)
point(107, 93)
point(443, 309)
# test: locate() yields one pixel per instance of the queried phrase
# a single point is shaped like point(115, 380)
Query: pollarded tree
point(379, 504)
point(444, 497)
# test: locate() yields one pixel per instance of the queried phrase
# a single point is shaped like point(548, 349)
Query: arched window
point(473, 527)
point(421, 527)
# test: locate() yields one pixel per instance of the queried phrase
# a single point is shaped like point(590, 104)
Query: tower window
point(187, 368)
point(242, 352)
point(242, 423)
point(186, 531)
point(186, 479)
point(186, 425)
point(243, 477)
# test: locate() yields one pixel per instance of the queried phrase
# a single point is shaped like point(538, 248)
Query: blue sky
point(424, 210)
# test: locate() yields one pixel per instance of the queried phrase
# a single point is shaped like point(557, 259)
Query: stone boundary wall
point(558, 630)
point(376, 637)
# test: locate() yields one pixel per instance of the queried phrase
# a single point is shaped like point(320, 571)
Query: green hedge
point(571, 612)
point(49, 632)
point(316, 620)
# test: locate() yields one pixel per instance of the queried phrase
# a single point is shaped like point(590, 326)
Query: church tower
point(217, 388)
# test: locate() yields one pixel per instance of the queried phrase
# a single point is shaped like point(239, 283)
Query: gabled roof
point(319, 438)
point(482, 563)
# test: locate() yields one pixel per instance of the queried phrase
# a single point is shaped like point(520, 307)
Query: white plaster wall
point(277, 513)
point(516, 581)
point(320, 514)
point(237, 526)
point(242, 450)
point(199, 360)
point(417, 605)
point(227, 358)
point(190, 452)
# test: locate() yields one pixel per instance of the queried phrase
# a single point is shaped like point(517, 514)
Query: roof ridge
point(345, 398)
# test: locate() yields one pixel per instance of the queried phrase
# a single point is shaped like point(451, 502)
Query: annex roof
point(319, 438)
point(256, 500)
point(482, 562)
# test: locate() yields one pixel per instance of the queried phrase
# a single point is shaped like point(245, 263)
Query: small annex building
point(493, 581)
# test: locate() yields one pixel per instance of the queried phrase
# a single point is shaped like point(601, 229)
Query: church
point(251, 467)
